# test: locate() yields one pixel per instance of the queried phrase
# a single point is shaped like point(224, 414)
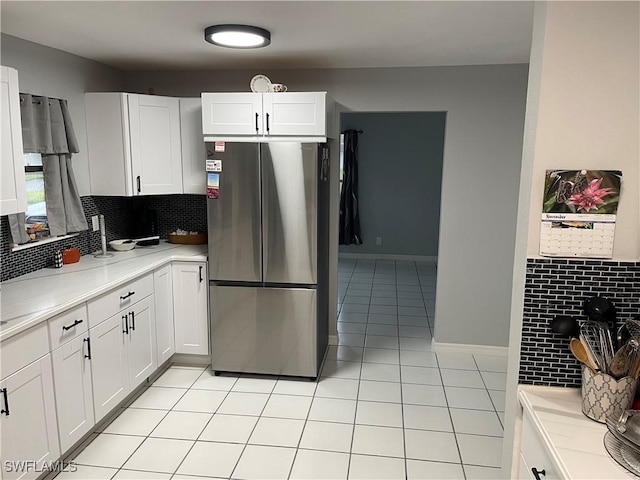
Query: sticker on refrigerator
point(218, 147)
point(214, 166)
point(213, 185)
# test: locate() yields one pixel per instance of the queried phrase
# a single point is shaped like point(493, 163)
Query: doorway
point(399, 183)
point(391, 276)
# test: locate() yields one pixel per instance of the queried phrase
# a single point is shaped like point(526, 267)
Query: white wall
point(54, 73)
point(483, 149)
point(582, 112)
point(588, 111)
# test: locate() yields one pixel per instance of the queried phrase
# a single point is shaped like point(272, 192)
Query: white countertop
point(575, 442)
point(35, 297)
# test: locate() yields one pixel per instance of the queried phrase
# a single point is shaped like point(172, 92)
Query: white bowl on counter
point(123, 245)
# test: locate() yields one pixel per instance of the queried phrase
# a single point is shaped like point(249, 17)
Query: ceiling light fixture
point(237, 36)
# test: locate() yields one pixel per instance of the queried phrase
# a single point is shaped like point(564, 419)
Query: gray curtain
point(47, 129)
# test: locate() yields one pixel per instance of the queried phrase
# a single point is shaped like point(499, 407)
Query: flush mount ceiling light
point(237, 36)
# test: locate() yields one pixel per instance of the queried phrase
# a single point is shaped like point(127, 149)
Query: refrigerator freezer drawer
point(264, 330)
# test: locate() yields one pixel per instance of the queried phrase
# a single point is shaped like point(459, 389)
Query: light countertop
point(38, 296)
point(574, 442)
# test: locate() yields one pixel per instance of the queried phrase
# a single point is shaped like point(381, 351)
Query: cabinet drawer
point(534, 454)
point(119, 298)
point(23, 349)
point(67, 326)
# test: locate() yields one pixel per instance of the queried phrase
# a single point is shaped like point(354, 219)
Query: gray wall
point(485, 108)
point(399, 178)
point(54, 73)
point(482, 154)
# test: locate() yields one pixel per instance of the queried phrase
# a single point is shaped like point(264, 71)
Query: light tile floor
point(385, 406)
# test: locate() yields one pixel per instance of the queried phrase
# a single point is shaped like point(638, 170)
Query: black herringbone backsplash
point(559, 287)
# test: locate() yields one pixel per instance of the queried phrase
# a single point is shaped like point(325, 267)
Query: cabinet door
point(194, 154)
point(13, 189)
point(141, 341)
point(108, 144)
point(232, 114)
point(109, 370)
point(299, 113)
point(163, 296)
point(74, 398)
point(154, 124)
point(190, 307)
point(28, 430)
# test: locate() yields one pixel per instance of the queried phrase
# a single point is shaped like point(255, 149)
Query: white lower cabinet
point(110, 375)
point(163, 296)
point(28, 420)
point(123, 354)
point(190, 307)
point(57, 386)
point(535, 460)
point(141, 342)
point(74, 396)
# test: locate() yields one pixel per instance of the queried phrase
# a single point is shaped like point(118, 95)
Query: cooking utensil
point(590, 355)
point(598, 339)
point(565, 325)
point(601, 309)
point(144, 239)
point(624, 360)
point(580, 352)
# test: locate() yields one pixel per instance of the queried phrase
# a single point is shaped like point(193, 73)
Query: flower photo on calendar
point(582, 191)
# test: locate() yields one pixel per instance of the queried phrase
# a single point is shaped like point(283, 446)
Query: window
point(36, 214)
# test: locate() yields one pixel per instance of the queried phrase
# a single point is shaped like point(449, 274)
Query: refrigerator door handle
point(267, 123)
point(257, 130)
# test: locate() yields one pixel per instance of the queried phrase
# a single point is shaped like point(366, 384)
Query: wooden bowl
point(198, 239)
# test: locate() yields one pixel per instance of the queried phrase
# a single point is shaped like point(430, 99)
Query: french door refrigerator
point(268, 258)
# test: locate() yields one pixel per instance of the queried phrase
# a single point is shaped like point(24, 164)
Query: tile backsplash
point(559, 287)
point(188, 212)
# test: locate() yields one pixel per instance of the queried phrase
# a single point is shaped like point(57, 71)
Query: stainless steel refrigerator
point(268, 258)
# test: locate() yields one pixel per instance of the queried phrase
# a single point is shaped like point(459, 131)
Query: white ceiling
point(169, 35)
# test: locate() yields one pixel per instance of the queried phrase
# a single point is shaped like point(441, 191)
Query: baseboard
point(190, 360)
point(333, 340)
point(385, 256)
point(440, 347)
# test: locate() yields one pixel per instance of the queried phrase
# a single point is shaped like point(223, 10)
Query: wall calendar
point(579, 213)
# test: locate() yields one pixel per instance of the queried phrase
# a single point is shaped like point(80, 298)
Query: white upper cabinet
point(134, 144)
point(295, 114)
point(194, 154)
point(13, 191)
point(232, 114)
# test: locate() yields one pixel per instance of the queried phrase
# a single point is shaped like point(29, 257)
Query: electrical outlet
point(378, 240)
point(94, 223)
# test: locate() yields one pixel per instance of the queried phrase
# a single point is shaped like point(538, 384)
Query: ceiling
point(169, 35)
